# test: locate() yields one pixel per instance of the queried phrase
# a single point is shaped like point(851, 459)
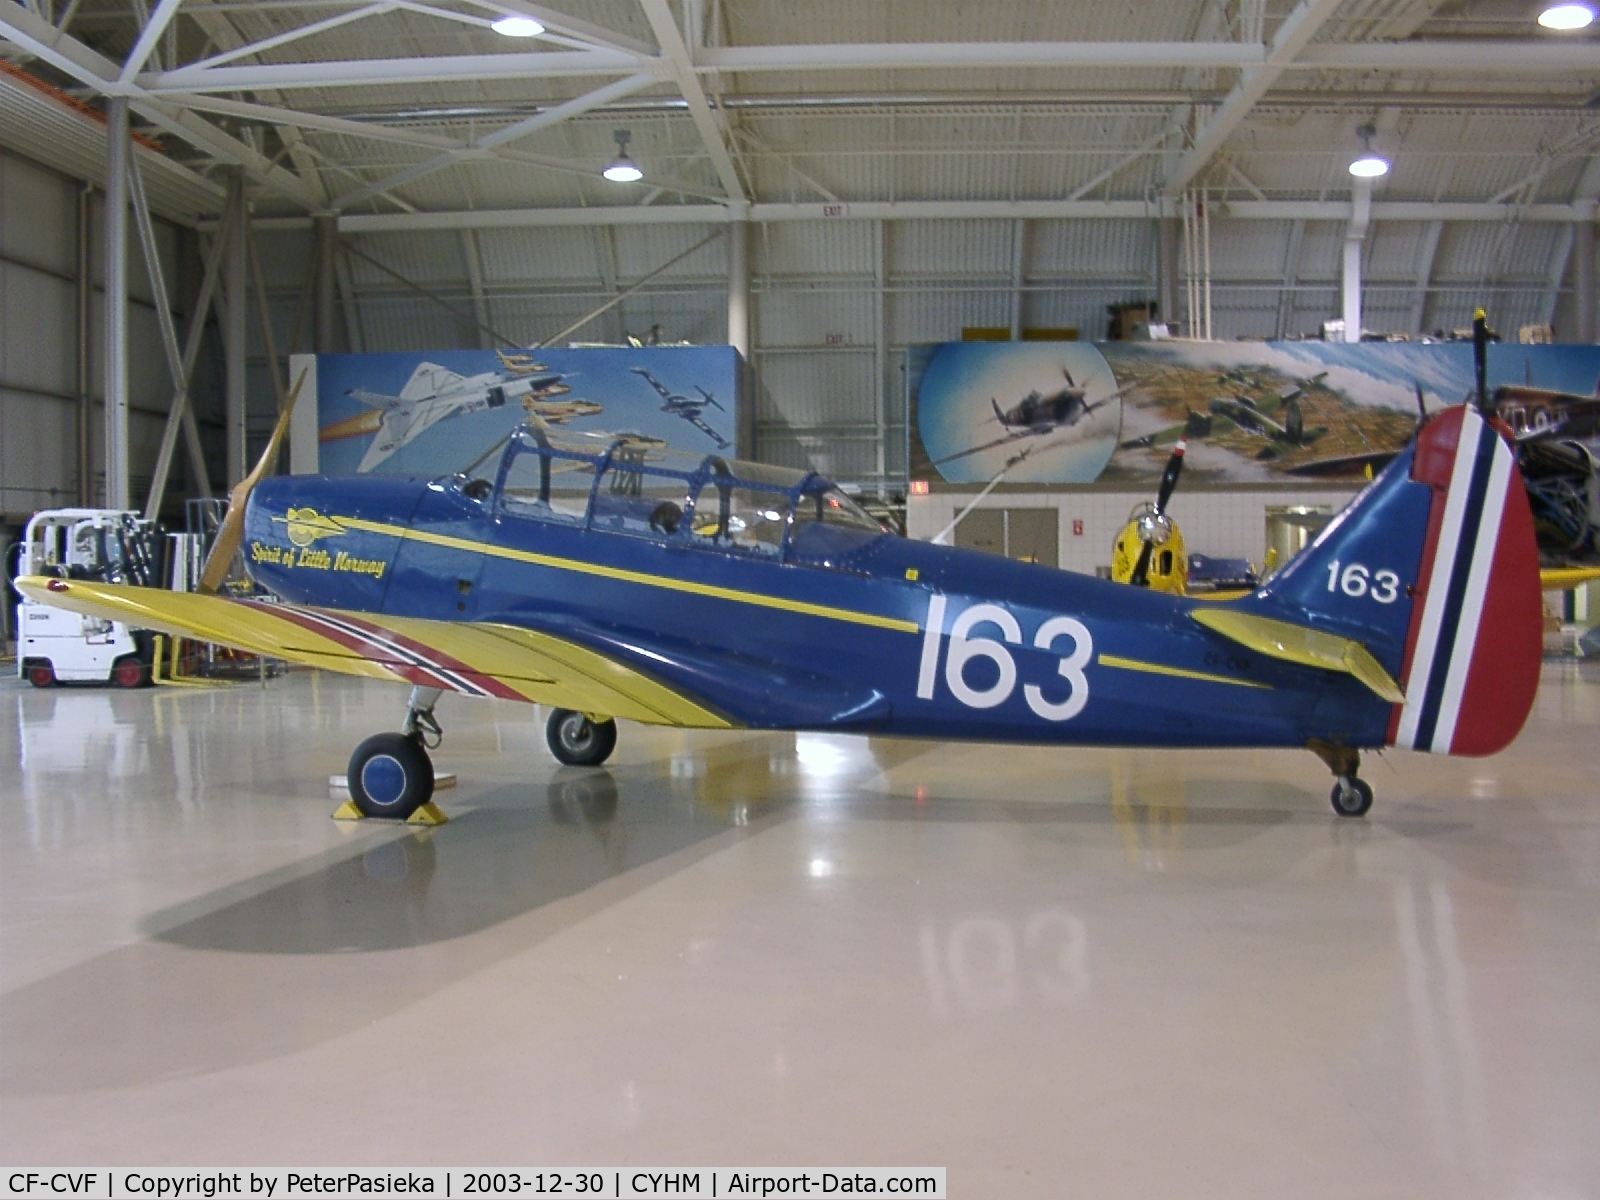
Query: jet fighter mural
point(431, 413)
point(435, 393)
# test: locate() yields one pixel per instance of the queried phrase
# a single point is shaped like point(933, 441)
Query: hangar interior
point(1143, 972)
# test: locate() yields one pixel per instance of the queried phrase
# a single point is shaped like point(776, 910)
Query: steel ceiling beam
point(372, 71)
point(99, 73)
point(1297, 30)
point(148, 37)
point(676, 55)
point(1414, 56)
point(287, 36)
point(931, 210)
point(500, 137)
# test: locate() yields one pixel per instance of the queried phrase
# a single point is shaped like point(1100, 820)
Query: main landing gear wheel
point(1351, 797)
point(577, 741)
point(390, 775)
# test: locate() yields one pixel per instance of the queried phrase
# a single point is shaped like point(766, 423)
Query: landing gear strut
point(579, 740)
point(390, 774)
point(1352, 796)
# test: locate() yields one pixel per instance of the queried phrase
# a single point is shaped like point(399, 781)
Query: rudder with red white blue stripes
point(1474, 644)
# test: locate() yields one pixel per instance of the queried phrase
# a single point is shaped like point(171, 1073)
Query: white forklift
point(56, 646)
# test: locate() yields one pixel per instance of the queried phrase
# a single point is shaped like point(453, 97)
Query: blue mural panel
point(435, 412)
point(1251, 412)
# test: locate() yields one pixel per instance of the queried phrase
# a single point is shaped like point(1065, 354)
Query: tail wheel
point(390, 775)
point(130, 673)
point(42, 675)
point(1351, 797)
point(577, 741)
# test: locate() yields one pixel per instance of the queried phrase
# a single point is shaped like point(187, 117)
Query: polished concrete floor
point(1089, 973)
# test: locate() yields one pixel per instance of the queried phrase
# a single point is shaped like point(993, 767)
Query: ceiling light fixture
point(1369, 165)
point(512, 25)
point(623, 169)
point(1567, 17)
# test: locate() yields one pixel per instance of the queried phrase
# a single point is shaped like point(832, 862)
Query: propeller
point(232, 531)
point(1148, 527)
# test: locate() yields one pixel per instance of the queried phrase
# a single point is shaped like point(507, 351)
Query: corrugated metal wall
point(817, 341)
point(39, 344)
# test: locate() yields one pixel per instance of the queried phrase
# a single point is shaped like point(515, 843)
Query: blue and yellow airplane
point(703, 592)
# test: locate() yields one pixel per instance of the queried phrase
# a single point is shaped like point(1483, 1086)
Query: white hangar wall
point(1217, 523)
point(39, 343)
point(835, 302)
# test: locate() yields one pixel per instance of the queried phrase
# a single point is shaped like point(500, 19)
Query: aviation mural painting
point(1252, 412)
point(437, 412)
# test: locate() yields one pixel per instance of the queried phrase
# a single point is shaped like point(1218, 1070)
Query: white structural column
point(1168, 232)
point(85, 291)
point(325, 229)
point(739, 287)
point(233, 332)
point(880, 348)
point(1354, 241)
point(1583, 281)
point(119, 493)
point(1019, 259)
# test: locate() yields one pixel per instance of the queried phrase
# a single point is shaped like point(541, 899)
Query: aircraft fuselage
point(838, 630)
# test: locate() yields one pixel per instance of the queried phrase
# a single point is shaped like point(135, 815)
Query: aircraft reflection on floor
point(988, 963)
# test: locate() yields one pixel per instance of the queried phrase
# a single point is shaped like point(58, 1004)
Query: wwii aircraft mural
point(1251, 412)
point(1038, 412)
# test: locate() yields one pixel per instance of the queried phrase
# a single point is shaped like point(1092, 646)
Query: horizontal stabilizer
point(1298, 644)
point(1564, 579)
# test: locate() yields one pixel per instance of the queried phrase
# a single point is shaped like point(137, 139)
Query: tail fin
point(1435, 570)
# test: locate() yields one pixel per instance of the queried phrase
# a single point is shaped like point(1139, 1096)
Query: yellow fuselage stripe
point(661, 581)
point(1133, 664)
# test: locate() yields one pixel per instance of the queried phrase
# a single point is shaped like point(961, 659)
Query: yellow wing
point(476, 658)
point(1564, 579)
